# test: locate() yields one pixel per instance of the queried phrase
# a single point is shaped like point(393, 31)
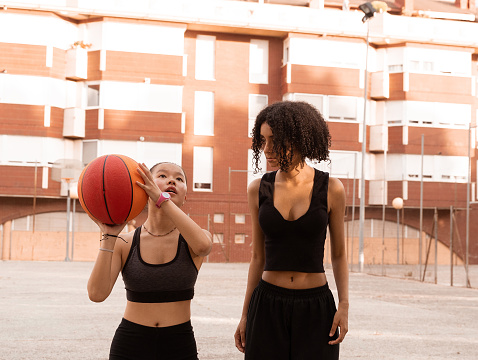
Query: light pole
point(369, 11)
point(67, 256)
point(397, 204)
point(73, 197)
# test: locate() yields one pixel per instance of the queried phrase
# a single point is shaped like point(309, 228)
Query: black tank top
point(294, 245)
point(158, 283)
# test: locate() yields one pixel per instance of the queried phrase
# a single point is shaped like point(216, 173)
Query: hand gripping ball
point(108, 192)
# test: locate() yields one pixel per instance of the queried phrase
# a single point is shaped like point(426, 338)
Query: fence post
point(451, 245)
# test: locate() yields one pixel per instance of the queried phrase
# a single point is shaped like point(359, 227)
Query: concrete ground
point(45, 314)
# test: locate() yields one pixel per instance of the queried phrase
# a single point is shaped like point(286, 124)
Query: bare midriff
point(294, 280)
point(158, 314)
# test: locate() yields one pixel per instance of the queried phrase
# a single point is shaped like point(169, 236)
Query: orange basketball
point(107, 189)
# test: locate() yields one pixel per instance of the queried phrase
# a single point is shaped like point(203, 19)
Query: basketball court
point(45, 314)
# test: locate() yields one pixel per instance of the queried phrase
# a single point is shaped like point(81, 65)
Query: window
point(316, 100)
point(395, 68)
point(205, 57)
point(438, 61)
point(141, 151)
point(413, 167)
point(259, 61)
point(90, 151)
point(310, 51)
point(203, 113)
point(219, 218)
point(239, 238)
point(451, 168)
point(218, 238)
point(394, 112)
point(240, 218)
point(256, 104)
point(419, 112)
point(30, 149)
point(419, 66)
point(342, 164)
point(438, 114)
point(414, 65)
point(428, 66)
point(93, 96)
point(148, 151)
point(342, 108)
point(202, 168)
point(137, 96)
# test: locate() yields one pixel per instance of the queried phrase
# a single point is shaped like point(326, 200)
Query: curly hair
point(296, 126)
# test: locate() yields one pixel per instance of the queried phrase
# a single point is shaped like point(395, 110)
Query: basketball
point(108, 192)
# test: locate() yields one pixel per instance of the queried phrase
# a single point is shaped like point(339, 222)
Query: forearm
point(341, 275)
point(197, 239)
point(256, 268)
point(99, 283)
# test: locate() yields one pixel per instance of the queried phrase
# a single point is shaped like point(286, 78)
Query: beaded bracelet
point(105, 236)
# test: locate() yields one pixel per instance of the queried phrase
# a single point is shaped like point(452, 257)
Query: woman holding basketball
point(289, 311)
point(159, 262)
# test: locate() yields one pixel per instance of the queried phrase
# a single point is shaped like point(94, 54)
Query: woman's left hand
point(341, 320)
point(149, 185)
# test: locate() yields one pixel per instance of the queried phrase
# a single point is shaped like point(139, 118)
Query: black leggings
point(137, 342)
point(285, 324)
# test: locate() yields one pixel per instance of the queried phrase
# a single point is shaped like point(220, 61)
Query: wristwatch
point(162, 198)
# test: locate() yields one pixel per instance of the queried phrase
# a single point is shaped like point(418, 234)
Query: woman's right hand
point(109, 229)
point(149, 186)
point(240, 335)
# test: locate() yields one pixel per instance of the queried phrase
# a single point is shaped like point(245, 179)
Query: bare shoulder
point(253, 194)
point(253, 187)
point(335, 186)
point(336, 194)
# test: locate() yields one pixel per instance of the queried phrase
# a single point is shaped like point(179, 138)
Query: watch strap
point(162, 198)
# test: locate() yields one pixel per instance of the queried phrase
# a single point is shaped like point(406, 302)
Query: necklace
point(159, 235)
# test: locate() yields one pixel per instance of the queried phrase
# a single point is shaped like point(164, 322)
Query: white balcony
point(380, 85)
point(74, 123)
point(377, 192)
point(77, 64)
point(378, 138)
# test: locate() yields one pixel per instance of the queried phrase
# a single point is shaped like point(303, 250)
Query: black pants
point(137, 342)
point(285, 324)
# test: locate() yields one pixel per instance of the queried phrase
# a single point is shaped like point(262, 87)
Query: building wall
point(130, 86)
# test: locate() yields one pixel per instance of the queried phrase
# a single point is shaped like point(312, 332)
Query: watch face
point(166, 195)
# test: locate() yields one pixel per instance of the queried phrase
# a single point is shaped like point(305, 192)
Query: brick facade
point(231, 88)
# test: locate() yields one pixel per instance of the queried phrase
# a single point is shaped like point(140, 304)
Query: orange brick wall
point(28, 120)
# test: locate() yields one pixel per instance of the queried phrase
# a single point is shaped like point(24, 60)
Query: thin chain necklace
point(159, 235)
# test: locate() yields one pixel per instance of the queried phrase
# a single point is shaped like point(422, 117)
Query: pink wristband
point(162, 198)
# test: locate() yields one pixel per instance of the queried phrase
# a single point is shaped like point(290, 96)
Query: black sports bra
point(294, 245)
point(157, 283)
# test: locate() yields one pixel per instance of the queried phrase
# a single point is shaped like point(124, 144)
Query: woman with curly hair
point(289, 311)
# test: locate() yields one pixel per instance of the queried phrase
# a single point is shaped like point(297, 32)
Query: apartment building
point(183, 81)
